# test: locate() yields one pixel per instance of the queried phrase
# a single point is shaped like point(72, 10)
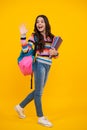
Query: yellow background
point(65, 94)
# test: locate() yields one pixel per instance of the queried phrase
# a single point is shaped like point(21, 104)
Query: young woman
point(41, 67)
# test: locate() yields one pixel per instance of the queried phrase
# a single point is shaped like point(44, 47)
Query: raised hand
point(23, 29)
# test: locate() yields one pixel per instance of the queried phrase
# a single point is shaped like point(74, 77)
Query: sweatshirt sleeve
point(27, 45)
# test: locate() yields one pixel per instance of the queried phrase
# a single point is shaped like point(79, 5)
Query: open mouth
point(40, 27)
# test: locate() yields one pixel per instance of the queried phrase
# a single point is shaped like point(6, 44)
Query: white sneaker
point(43, 121)
point(20, 111)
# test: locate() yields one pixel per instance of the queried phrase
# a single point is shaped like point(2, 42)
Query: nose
point(39, 23)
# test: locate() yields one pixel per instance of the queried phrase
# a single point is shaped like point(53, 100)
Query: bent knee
point(37, 93)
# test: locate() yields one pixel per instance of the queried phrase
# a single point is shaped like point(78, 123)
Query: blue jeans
point(40, 75)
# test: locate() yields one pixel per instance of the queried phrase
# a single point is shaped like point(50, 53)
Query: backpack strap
point(36, 42)
point(31, 80)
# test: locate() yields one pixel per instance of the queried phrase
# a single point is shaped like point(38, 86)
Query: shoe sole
point(45, 125)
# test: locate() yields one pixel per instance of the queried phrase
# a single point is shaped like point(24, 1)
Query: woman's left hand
point(53, 52)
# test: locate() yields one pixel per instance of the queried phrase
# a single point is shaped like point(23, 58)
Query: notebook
point(57, 42)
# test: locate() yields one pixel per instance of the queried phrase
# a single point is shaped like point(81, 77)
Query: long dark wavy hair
point(40, 37)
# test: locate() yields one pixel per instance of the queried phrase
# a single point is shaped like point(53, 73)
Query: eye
point(42, 21)
point(37, 21)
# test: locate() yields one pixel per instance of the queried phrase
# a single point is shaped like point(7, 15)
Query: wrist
point(23, 34)
point(23, 37)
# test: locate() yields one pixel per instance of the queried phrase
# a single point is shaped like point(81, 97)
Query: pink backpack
point(25, 65)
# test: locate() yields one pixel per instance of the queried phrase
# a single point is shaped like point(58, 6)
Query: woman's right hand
point(23, 29)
